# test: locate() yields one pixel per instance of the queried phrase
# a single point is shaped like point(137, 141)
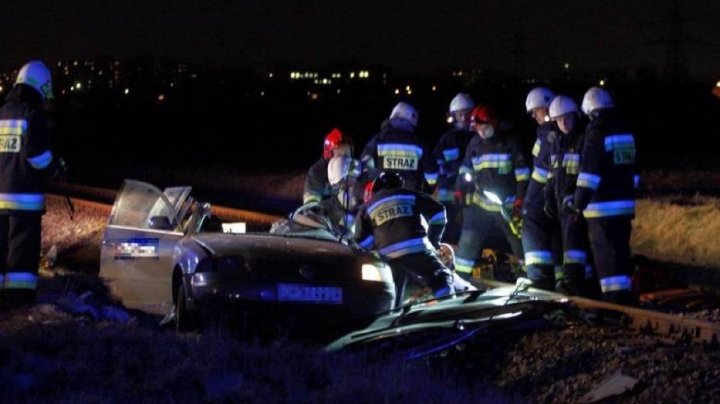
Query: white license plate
point(293, 292)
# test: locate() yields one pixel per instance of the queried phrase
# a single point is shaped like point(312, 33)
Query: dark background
point(660, 60)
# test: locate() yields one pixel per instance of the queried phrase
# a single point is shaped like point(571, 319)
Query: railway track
point(101, 199)
point(677, 326)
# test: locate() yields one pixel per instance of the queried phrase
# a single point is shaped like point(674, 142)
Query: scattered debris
point(615, 384)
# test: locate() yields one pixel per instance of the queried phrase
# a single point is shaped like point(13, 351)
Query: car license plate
point(293, 292)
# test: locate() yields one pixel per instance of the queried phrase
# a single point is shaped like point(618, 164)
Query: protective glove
point(517, 208)
point(459, 197)
point(550, 210)
point(568, 205)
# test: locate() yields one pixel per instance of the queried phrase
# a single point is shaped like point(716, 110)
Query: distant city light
point(78, 85)
point(397, 91)
point(1, 89)
point(602, 83)
point(566, 66)
point(126, 92)
point(262, 93)
point(314, 96)
point(352, 75)
point(434, 88)
point(161, 97)
point(270, 75)
point(717, 84)
point(338, 90)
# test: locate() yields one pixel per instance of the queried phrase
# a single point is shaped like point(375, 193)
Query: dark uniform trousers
point(541, 241)
point(577, 274)
point(424, 268)
point(19, 256)
point(610, 243)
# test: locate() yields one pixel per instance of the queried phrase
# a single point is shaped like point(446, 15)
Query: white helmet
point(338, 169)
point(596, 98)
point(538, 97)
point(37, 76)
point(405, 111)
point(461, 102)
point(561, 105)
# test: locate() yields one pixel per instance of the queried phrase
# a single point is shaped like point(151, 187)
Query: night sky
point(411, 35)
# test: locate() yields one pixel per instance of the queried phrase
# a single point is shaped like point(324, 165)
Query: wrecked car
point(429, 328)
point(164, 252)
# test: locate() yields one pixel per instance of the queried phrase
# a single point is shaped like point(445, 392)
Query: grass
point(678, 230)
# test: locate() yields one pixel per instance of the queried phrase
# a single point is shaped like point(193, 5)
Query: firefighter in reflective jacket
point(449, 153)
point(318, 186)
point(405, 227)
point(26, 163)
point(494, 163)
point(606, 194)
point(540, 233)
point(397, 149)
point(576, 278)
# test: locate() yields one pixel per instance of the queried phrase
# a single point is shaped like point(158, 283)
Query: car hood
point(471, 310)
point(221, 244)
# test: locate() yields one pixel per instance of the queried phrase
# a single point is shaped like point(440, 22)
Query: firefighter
point(566, 148)
point(540, 233)
point(318, 188)
point(449, 153)
point(605, 194)
point(405, 227)
point(26, 163)
point(397, 149)
point(493, 163)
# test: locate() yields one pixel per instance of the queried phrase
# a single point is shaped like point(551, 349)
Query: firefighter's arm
point(522, 172)
point(315, 183)
point(368, 159)
point(551, 205)
point(431, 170)
point(464, 182)
point(436, 217)
point(363, 230)
point(39, 155)
point(589, 177)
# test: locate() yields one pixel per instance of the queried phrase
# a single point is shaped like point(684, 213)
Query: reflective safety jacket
point(608, 173)
point(535, 196)
point(495, 165)
point(566, 158)
point(25, 155)
point(398, 150)
point(398, 222)
point(449, 154)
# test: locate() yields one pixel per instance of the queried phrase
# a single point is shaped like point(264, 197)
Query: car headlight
point(376, 272)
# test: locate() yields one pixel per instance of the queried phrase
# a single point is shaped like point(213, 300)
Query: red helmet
point(333, 139)
point(484, 114)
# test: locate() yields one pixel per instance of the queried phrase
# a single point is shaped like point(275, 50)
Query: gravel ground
point(560, 363)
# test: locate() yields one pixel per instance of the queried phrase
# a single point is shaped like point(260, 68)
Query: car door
point(137, 248)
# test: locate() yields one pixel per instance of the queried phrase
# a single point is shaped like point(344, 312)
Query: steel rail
point(100, 199)
point(676, 326)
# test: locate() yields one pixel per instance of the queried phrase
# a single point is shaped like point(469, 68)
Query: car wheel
point(184, 320)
